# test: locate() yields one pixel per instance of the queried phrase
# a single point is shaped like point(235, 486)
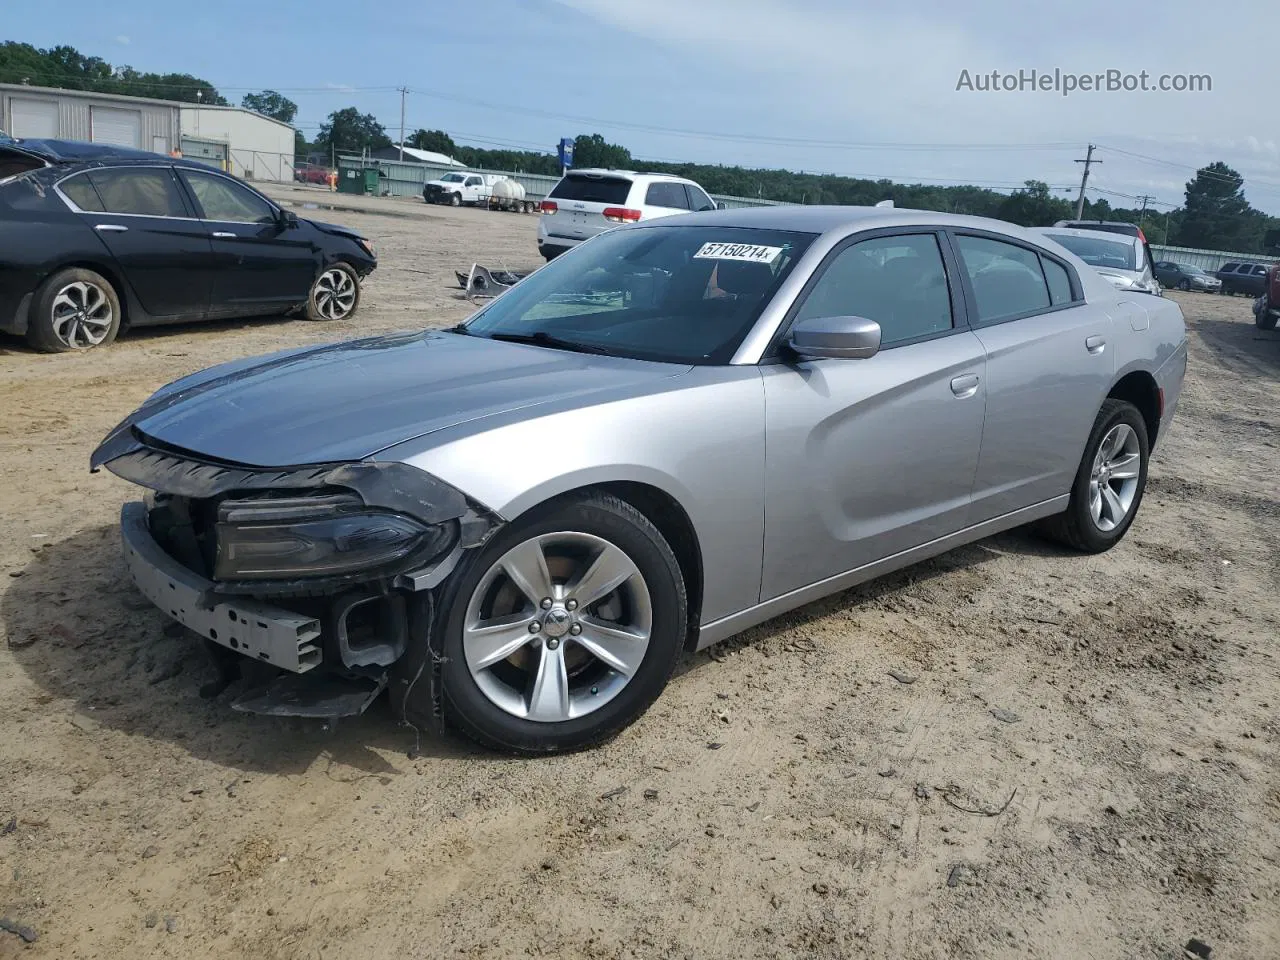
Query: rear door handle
point(1095, 344)
point(111, 228)
point(965, 386)
point(224, 235)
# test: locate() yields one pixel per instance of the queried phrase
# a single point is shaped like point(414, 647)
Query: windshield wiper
point(544, 339)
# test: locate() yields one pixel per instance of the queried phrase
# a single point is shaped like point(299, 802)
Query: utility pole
point(403, 91)
point(1088, 159)
point(1142, 214)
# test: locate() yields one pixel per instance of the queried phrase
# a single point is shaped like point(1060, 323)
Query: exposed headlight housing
point(292, 538)
point(368, 246)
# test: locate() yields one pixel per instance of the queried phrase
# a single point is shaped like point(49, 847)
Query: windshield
point(1193, 271)
point(1099, 252)
point(666, 293)
point(452, 178)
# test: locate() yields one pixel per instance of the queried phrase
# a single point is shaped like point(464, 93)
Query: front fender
point(701, 443)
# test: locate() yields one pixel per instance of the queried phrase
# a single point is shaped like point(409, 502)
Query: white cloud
point(123, 40)
point(823, 69)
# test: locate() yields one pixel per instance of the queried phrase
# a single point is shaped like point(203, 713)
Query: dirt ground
point(1079, 757)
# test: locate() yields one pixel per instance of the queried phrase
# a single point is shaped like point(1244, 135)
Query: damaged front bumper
point(335, 640)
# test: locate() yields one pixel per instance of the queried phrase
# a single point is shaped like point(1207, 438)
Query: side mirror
point(720, 205)
point(835, 338)
point(287, 218)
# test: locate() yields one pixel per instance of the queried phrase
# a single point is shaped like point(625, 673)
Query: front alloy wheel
point(557, 627)
point(563, 629)
point(335, 294)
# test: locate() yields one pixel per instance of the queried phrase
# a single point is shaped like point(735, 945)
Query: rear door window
point(138, 191)
point(1007, 280)
point(613, 190)
point(670, 195)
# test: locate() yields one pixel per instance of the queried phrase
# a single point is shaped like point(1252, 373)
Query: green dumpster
point(358, 180)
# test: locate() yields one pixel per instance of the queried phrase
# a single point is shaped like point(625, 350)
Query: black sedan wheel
point(1184, 284)
point(74, 309)
point(335, 294)
point(564, 629)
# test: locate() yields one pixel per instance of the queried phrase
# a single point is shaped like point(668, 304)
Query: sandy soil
point(786, 797)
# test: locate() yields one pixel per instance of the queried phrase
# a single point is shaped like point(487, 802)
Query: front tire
point(1109, 482)
point(563, 629)
point(1184, 284)
point(455, 200)
point(75, 309)
point(335, 295)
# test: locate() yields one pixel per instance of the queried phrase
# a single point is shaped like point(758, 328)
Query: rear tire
point(75, 309)
point(495, 704)
point(1093, 521)
point(1264, 318)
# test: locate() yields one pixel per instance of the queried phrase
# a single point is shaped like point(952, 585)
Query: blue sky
point(819, 85)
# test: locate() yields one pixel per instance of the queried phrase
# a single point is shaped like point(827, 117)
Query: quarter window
point(1059, 281)
point(899, 282)
point(140, 191)
point(81, 193)
point(670, 195)
point(225, 200)
point(698, 199)
point(1007, 280)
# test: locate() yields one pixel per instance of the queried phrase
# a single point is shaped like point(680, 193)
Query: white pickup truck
point(457, 188)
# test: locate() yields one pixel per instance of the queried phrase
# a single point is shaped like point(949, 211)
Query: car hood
point(350, 400)
point(336, 229)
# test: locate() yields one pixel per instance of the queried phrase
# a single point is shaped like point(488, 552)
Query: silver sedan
point(672, 433)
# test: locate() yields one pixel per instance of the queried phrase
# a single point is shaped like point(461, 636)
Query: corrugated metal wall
point(1207, 260)
point(158, 121)
point(407, 179)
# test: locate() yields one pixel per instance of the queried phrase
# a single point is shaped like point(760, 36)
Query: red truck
point(1266, 309)
point(311, 173)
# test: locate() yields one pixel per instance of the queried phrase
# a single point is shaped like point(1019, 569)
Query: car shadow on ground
point(1239, 342)
point(83, 633)
point(10, 344)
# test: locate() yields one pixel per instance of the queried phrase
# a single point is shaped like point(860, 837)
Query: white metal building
point(46, 113)
point(257, 147)
point(237, 140)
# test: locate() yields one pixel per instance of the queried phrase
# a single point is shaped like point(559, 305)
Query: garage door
point(120, 128)
point(37, 119)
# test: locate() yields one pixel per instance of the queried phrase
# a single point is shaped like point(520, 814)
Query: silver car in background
point(1121, 259)
point(674, 432)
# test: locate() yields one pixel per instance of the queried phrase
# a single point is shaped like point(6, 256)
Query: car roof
point(70, 153)
point(824, 219)
point(1128, 238)
point(626, 174)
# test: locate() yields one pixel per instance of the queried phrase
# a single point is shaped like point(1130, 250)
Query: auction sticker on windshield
point(747, 252)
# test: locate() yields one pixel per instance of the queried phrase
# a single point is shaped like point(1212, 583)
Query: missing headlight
point(315, 537)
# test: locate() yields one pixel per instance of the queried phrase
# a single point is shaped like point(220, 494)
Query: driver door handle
point(111, 228)
point(224, 235)
point(1095, 344)
point(965, 386)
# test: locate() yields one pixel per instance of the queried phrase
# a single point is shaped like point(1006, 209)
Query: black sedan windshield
point(668, 293)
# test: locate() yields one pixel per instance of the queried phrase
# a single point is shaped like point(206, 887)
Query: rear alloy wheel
point(564, 630)
point(1109, 482)
point(75, 309)
point(335, 294)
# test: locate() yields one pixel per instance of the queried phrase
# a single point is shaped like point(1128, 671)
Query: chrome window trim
point(71, 204)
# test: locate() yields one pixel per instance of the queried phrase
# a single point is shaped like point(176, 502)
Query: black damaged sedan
point(95, 239)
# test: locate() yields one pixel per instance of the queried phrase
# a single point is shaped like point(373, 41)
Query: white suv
point(587, 202)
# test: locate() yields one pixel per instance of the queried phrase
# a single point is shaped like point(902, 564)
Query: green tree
point(1033, 206)
point(595, 151)
point(271, 104)
point(350, 131)
point(437, 141)
point(1216, 214)
point(65, 67)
